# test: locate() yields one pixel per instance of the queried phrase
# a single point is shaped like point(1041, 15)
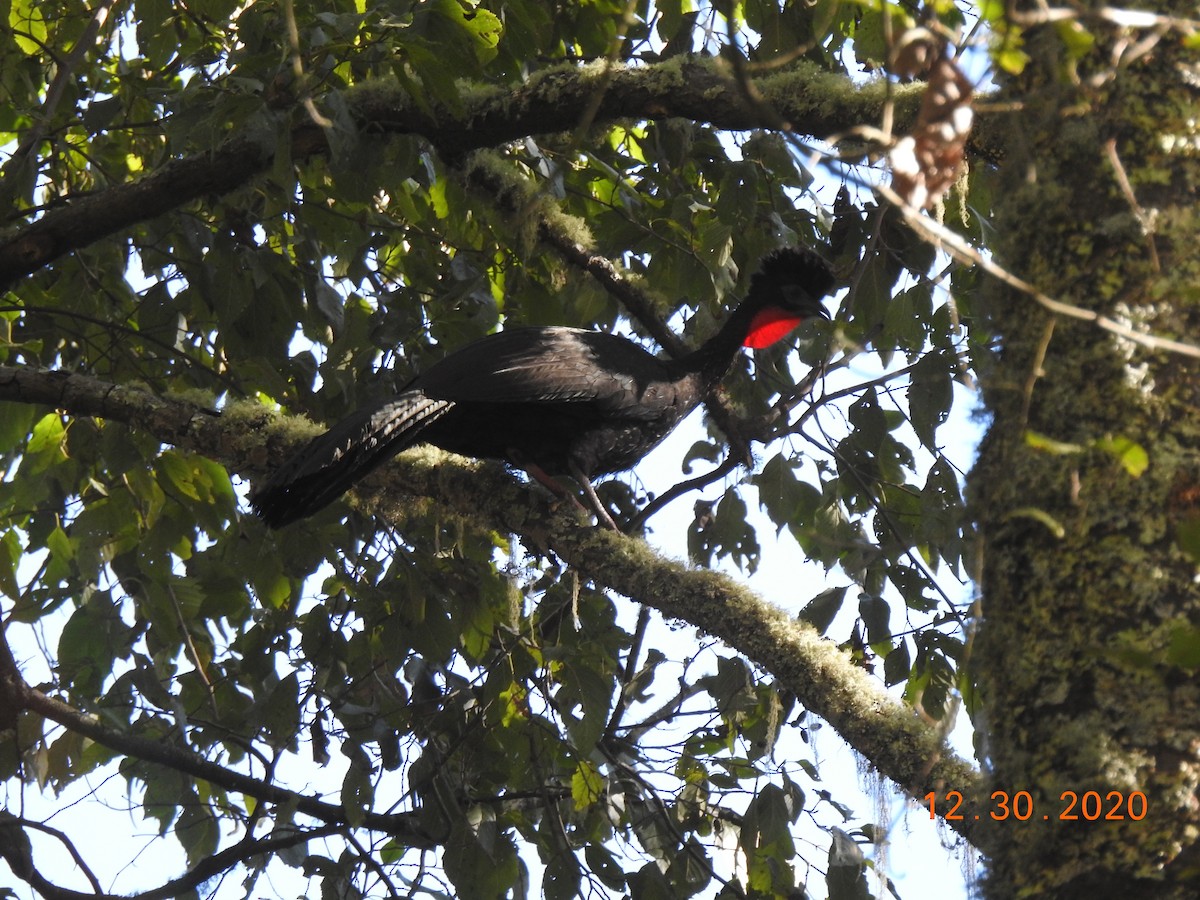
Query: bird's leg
point(554, 486)
point(602, 514)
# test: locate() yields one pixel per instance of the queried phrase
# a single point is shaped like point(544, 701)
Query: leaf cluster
point(479, 693)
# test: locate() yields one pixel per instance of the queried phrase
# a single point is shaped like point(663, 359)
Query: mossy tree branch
point(811, 101)
point(896, 742)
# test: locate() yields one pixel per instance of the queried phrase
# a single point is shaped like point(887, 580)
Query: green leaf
point(281, 714)
point(16, 419)
point(1077, 39)
point(787, 500)
point(478, 631)
point(930, 394)
point(912, 584)
point(593, 691)
point(99, 113)
point(479, 857)
point(731, 680)
point(1187, 537)
point(48, 435)
point(1131, 455)
point(91, 641)
point(705, 450)
point(1049, 445)
point(164, 791)
point(868, 420)
point(358, 791)
point(481, 26)
point(198, 831)
point(562, 877)
point(28, 26)
point(10, 555)
point(1011, 59)
point(876, 614)
point(603, 865)
point(180, 474)
point(691, 870)
point(897, 665)
point(869, 37)
point(1184, 647)
point(649, 883)
point(766, 839)
point(906, 319)
point(821, 609)
point(587, 785)
point(873, 293)
point(728, 534)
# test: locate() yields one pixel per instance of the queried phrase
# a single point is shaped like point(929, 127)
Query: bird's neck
point(712, 359)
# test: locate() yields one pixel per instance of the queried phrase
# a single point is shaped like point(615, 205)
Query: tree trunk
point(1088, 647)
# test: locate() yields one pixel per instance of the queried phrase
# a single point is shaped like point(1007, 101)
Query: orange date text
point(1072, 806)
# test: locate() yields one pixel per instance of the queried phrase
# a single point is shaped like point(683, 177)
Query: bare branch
point(1140, 19)
point(12, 852)
point(70, 846)
point(945, 239)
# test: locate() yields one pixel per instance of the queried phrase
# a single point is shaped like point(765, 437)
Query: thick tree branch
point(811, 101)
point(888, 734)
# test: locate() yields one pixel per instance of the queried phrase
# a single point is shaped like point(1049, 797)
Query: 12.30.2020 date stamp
point(1089, 806)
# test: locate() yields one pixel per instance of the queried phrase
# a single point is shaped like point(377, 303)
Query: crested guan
point(551, 400)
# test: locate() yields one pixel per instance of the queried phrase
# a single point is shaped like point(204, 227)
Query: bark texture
point(801, 97)
point(1091, 600)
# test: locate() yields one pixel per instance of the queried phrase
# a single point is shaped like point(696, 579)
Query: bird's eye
point(794, 295)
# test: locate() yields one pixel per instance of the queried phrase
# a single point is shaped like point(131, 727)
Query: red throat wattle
point(770, 325)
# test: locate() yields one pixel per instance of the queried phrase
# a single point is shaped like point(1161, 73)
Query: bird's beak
point(799, 299)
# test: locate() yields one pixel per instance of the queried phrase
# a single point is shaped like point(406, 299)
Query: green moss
point(1071, 654)
point(196, 396)
point(526, 205)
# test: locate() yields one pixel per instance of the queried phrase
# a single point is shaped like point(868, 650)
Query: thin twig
point(289, 14)
point(54, 94)
point(676, 491)
point(69, 844)
point(945, 239)
point(631, 664)
point(1036, 371)
point(1145, 219)
point(192, 651)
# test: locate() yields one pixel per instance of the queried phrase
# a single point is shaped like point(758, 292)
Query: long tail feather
point(332, 462)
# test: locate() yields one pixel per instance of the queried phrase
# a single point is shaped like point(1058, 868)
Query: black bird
point(552, 400)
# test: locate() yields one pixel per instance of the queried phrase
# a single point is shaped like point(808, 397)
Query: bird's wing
point(549, 365)
point(332, 462)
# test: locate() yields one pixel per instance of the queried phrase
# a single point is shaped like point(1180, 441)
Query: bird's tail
point(332, 462)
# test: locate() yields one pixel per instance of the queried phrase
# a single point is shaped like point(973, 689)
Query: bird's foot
point(552, 484)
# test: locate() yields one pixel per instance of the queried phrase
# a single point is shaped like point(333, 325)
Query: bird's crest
point(793, 266)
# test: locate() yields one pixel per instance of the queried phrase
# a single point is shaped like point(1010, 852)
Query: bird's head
point(786, 290)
